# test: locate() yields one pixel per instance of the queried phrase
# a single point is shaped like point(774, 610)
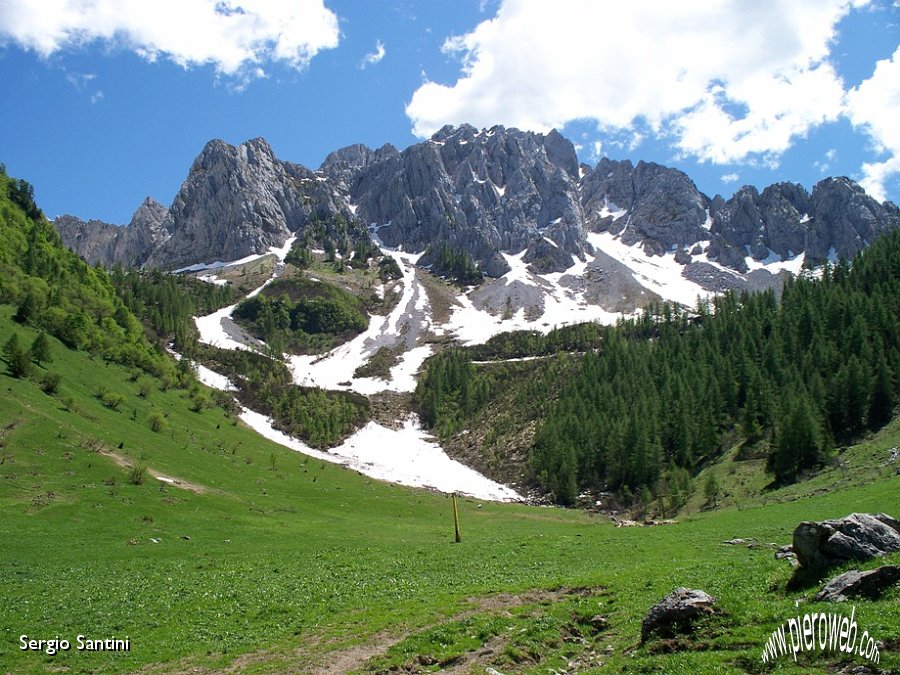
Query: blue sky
point(109, 101)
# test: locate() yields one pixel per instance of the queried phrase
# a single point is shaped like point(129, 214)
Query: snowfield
point(660, 274)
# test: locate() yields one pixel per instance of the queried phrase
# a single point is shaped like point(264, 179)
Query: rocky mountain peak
point(845, 218)
point(104, 243)
point(481, 192)
point(150, 212)
point(344, 162)
point(238, 200)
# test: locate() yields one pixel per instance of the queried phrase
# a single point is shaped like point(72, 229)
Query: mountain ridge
point(485, 193)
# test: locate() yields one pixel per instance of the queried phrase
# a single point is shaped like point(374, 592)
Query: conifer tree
point(17, 358)
point(40, 349)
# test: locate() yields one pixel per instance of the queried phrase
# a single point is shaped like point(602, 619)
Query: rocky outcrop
point(668, 210)
point(855, 584)
point(676, 613)
point(845, 219)
point(92, 240)
point(859, 536)
point(836, 221)
point(101, 243)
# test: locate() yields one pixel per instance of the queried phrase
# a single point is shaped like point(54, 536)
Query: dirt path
point(127, 464)
point(315, 658)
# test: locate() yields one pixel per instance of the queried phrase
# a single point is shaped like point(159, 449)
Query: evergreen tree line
point(673, 389)
point(320, 418)
point(453, 263)
point(167, 303)
point(529, 343)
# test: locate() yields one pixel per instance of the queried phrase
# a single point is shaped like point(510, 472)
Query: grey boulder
point(871, 584)
point(859, 536)
point(676, 613)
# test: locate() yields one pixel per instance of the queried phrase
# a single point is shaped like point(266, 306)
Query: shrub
point(137, 474)
point(112, 400)
point(199, 401)
point(157, 422)
point(50, 383)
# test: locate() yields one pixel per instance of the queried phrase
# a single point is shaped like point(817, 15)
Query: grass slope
point(274, 562)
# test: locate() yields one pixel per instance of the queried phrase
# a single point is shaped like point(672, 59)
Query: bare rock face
point(837, 220)
point(859, 536)
point(609, 187)
point(236, 201)
point(92, 240)
point(482, 192)
point(101, 243)
point(784, 209)
point(147, 230)
point(853, 584)
point(676, 613)
point(668, 209)
point(846, 219)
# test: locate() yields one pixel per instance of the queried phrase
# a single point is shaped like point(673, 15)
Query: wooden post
point(456, 519)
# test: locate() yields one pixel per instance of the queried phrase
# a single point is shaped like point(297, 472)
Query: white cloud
point(874, 106)
point(232, 37)
point(374, 57)
point(823, 165)
point(731, 177)
point(725, 80)
point(80, 80)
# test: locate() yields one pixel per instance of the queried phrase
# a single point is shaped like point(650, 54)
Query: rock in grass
point(859, 536)
point(853, 584)
point(786, 551)
point(676, 613)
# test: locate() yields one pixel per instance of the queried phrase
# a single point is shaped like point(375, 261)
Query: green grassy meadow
point(264, 560)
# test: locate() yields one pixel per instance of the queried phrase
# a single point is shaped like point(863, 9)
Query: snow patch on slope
point(774, 264)
point(335, 369)
point(561, 306)
point(406, 456)
point(213, 379)
point(661, 274)
point(211, 327)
